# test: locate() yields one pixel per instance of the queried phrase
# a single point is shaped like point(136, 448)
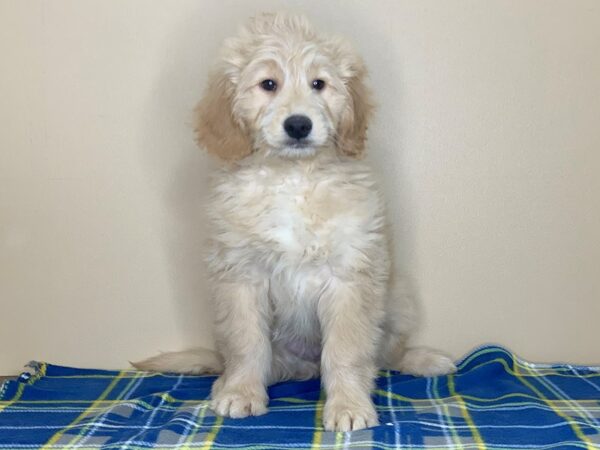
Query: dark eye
point(318, 84)
point(268, 85)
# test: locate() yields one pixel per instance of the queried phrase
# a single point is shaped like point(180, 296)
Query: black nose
point(297, 126)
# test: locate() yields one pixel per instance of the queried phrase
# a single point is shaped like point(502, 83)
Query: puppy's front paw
point(341, 416)
point(426, 362)
point(239, 402)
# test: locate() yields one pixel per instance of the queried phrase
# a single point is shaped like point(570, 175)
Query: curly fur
point(299, 258)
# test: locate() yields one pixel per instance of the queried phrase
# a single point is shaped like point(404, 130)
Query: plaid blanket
point(495, 400)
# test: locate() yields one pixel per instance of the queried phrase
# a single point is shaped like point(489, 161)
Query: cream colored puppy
point(299, 260)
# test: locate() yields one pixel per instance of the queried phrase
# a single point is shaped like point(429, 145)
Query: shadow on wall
point(179, 171)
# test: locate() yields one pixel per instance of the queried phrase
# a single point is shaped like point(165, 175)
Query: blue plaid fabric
point(495, 401)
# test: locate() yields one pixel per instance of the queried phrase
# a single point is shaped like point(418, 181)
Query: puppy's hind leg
point(426, 362)
point(420, 361)
point(401, 323)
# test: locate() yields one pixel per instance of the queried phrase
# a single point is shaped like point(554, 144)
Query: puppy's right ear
point(216, 128)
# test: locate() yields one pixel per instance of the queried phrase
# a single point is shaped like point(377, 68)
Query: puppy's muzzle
point(297, 126)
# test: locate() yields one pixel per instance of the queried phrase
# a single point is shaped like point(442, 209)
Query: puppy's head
point(284, 90)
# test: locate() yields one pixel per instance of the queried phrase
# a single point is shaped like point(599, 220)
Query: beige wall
point(486, 138)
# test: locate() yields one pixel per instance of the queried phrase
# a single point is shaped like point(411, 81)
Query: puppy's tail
point(191, 362)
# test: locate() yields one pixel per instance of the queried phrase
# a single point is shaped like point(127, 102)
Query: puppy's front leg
point(349, 315)
point(242, 331)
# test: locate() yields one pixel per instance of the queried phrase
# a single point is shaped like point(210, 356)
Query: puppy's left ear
point(352, 129)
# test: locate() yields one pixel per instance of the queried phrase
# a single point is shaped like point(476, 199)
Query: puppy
point(299, 259)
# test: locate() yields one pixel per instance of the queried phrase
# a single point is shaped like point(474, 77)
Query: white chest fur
point(297, 213)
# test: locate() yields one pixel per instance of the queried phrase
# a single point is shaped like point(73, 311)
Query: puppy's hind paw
point(425, 362)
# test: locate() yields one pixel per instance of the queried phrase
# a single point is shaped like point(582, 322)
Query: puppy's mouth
point(294, 149)
point(298, 144)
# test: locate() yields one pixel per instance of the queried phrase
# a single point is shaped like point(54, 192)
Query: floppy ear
point(216, 128)
point(352, 129)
